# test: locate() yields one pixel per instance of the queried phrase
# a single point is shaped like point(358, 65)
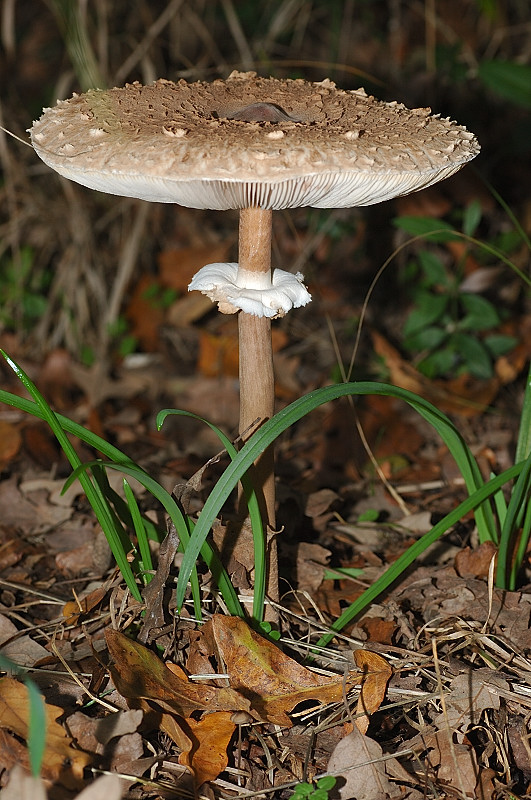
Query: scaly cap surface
point(249, 141)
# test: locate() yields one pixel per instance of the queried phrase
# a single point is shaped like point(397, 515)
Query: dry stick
point(257, 383)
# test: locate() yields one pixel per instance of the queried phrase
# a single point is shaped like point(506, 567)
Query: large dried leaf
point(203, 743)
point(456, 763)
point(273, 682)
point(139, 674)
point(470, 694)
point(376, 674)
point(355, 759)
point(212, 734)
point(61, 762)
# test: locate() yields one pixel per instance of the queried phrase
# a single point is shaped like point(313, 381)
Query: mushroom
point(254, 144)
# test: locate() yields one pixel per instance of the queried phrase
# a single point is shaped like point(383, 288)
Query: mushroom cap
point(249, 141)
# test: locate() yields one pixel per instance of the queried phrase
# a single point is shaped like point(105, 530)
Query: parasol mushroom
point(254, 144)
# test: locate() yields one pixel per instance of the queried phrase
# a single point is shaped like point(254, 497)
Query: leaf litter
point(176, 707)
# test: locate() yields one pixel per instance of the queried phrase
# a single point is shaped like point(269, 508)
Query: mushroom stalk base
point(257, 394)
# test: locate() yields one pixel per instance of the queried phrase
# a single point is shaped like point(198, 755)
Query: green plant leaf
point(303, 790)
point(36, 727)
point(438, 363)
point(433, 230)
point(474, 354)
point(104, 513)
point(517, 510)
point(426, 339)
point(319, 794)
point(472, 217)
point(523, 444)
point(429, 308)
point(342, 572)
point(434, 271)
point(499, 343)
point(509, 79)
point(327, 782)
point(146, 563)
point(481, 314)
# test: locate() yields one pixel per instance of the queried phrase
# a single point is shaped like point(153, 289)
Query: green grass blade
point(293, 413)
point(114, 454)
point(184, 528)
point(108, 521)
point(146, 562)
point(36, 728)
point(522, 543)
point(69, 426)
point(508, 565)
point(259, 540)
point(523, 445)
point(404, 561)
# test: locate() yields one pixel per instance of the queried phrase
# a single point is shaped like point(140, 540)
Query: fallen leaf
point(471, 693)
point(144, 314)
point(12, 753)
point(376, 675)
point(21, 649)
point(218, 354)
point(475, 563)
point(106, 786)
point(74, 609)
point(273, 682)
point(60, 762)
point(457, 763)
point(462, 395)
point(312, 560)
point(378, 629)
point(21, 786)
point(355, 758)
point(10, 441)
point(139, 674)
point(153, 593)
point(178, 266)
point(203, 743)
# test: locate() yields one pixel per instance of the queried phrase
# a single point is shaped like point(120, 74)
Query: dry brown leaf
point(272, 681)
point(10, 441)
point(61, 762)
point(475, 563)
point(312, 560)
point(178, 266)
point(144, 314)
point(355, 759)
point(376, 674)
point(204, 744)
point(457, 763)
point(471, 693)
point(378, 629)
point(21, 649)
point(139, 674)
point(218, 354)
point(74, 609)
point(12, 752)
point(21, 786)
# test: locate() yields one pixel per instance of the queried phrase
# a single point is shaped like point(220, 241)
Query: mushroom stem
point(257, 392)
